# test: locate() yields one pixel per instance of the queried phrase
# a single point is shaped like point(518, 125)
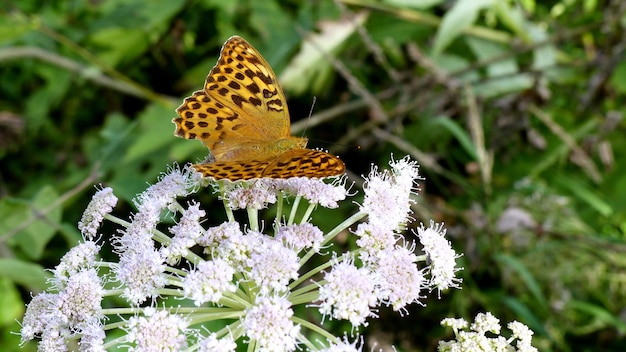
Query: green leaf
point(512, 17)
point(461, 135)
point(455, 21)
point(544, 56)
point(518, 266)
point(41, 101)
point(13, 213)
point(120, 44)
point(156, 131)
point(618, 79)
point(600, 318)
point(586, 195)
point(309, 69)
point(23, 273)
point(31, 224)
point(504, 74)
point(188, 152)
point(13, 28)
point(158, 13)
point(11, 304)
point(486, 51)
point(526, 315)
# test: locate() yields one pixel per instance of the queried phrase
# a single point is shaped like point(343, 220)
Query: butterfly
point(241, 115)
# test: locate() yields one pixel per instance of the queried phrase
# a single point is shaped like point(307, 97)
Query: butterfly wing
point(292, 163)
point(304, 163)
point(233, 170)
point(242, 104)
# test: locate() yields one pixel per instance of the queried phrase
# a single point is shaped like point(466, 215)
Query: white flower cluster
point(179, 276)
point(476, 339)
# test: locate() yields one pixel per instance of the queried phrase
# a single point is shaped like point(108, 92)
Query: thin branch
point(579, 156)
point(371, 45)
point(88, 73)
point(475, 126)
point(41, 214)
point(356, 86)
point(424, 159)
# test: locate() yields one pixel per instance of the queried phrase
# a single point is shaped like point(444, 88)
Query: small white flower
point(80, 300)
point(238, 248)
point(477, 339)
point(269, 324)
point(387, 199)
point(93, 335)
point(315, 190)
point(455, 323)
point(137, 237)
point(523, 334)
point(41, 313)
point(406, 172)
point(53, 339)
point(175, 183)
point(102, 203)
point(209, 281)
point(142, 274)
point(300, 236)
point(442, 256)
point(186, 233)
point(214, 236)
point(254, 195)
point(82, 256)
point(157, 331)
point(374, 239)
point(399, 279)
point(486, 322)
point(272, 266)
point(349, 293)
point(212, 344)
point(345, 346)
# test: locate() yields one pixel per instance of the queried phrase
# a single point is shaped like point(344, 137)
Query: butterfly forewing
point(243, 81)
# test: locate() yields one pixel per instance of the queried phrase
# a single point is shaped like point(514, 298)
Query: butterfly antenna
point(310, 113)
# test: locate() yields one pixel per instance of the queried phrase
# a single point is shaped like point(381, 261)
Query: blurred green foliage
point(514, 109)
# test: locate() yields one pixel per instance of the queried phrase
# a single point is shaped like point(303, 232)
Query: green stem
point(311, 326)
point(253, 218)
point(294, 210)
point(307, 213)
point(334, 232)
point(226, 202)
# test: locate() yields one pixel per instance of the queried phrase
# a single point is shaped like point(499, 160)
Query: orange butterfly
point(241, 115)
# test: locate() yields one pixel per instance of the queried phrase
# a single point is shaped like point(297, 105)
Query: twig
point(424, 159)
point(358, 88)
point(18, 53)
point(41, 214)
point(475, 126)
point(579, 157)
point(372, 46)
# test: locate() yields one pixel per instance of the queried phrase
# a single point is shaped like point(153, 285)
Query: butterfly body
point(255, 150)
point(241, 115)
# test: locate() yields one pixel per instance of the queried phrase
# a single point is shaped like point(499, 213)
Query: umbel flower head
point(476, 339)
point(182, 282)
